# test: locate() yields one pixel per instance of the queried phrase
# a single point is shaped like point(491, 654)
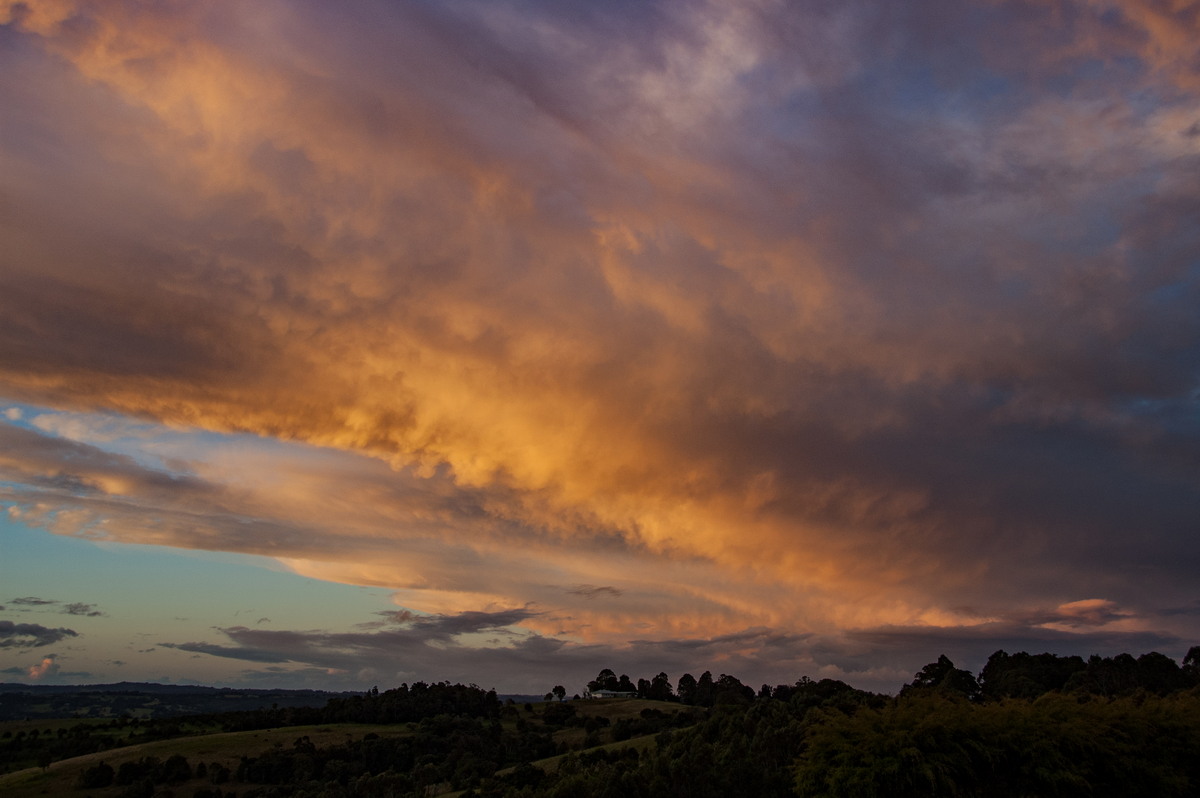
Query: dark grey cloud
point(596, 591)
point(31, 635)
point(33, 601)
point(79, 608)
point(230, 652)
point(880, 659)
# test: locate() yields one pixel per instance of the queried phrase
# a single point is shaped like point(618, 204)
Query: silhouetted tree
point(660, 688)
point(944, 677)
point(687, 689)
point(1191, 665)
point(605, 680)
point(1023, 675)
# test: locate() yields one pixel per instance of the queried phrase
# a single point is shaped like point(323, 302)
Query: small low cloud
point(77, 608)
point(33, 601)
point(230, 652)
point(594, 591)
point(389, 617)
point(31, 635)
point(84, 610)
point(1091, 612)
point(44, 669)
point(13, 414)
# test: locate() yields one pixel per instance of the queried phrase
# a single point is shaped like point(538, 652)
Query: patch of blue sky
point(152, 445)
point(167, 594)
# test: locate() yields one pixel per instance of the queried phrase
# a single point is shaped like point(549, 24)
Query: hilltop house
point(608, 694)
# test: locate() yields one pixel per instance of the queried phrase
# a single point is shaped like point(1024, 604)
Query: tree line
point(1027, 724)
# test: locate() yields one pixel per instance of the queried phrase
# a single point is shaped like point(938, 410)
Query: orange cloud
point(47, 667)
point(714, 323)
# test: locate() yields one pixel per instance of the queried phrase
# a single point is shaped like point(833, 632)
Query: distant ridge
point(151, 687)
point(145, 700)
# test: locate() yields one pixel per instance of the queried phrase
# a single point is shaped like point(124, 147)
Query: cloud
point(665, 322)
point(32, 601)
point(31, 635)
point(593, 591)
point(86, 610)
point(441, 647)
point(45, 669)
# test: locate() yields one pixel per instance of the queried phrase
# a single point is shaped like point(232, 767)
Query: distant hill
point(143, 700)
point(520, 698)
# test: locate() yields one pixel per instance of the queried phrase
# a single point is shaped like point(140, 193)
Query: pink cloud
point(44, 669)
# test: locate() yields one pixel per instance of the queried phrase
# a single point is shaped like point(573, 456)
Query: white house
point(608, 694)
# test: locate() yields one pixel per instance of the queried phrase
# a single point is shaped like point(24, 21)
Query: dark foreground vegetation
point(1028, 725)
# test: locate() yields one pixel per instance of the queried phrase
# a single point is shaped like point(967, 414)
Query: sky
point(502, 341)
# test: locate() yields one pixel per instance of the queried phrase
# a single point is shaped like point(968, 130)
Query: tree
point(1159, 674)
point(730, 690)
point(1191, 665)
point(704, 694)
point(560, 691)
point(944, 677)
point(1023, 675)
point(660, 688)
point(687, 688)
point(605, 680)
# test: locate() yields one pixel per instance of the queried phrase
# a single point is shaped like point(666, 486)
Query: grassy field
point(225, 748)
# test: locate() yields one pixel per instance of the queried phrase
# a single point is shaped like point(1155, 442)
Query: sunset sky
point(500, 341)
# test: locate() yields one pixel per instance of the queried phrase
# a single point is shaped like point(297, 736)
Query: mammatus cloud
point(31, 635)
point(658, 322)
